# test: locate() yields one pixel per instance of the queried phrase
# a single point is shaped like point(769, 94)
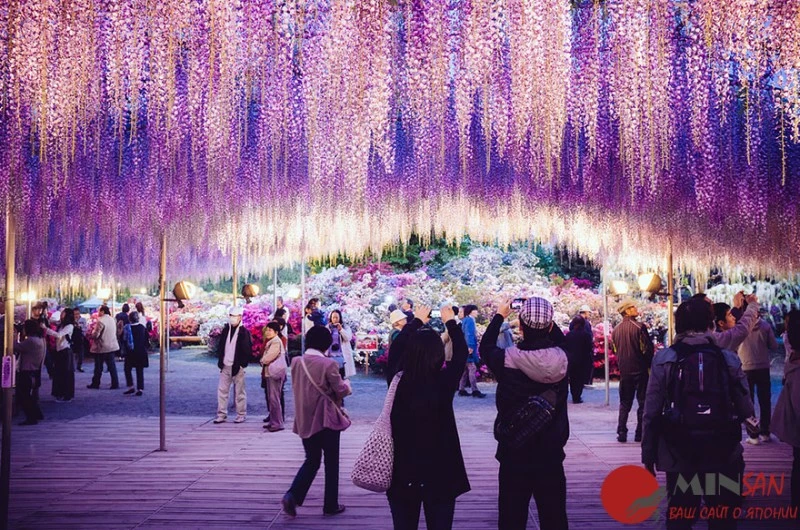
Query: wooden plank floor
point(103, 472)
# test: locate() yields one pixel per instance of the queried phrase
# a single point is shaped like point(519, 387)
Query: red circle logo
point(630, 494)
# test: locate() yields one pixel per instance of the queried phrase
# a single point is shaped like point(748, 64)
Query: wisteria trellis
point(287, 127)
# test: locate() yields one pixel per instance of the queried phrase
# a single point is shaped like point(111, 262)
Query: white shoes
point(239, 419)
point(753, 441)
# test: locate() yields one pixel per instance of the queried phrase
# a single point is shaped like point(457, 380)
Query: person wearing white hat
point(233, 353)
point(634, 351)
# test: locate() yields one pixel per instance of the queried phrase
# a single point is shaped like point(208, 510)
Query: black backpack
point(699, 418)
point(76, 340)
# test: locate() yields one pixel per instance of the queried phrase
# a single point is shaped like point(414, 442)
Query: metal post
point(162, 375)
point(275, 291)
point(235, 280)
point(605, 335)
point(671, 299)
point(303, 304)
point(166, 318)
point(8, 351)
point(28, 314)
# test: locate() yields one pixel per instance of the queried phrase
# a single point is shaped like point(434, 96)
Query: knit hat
point(235, 311)
point(536, 313)
point(625, 305)
point(396, 316)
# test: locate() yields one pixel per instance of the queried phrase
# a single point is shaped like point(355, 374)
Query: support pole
point(671, 299)
point(606, 336)
point(8, 355)
point(235, 280)
point(166, 318)
point(28, 314)
point(275, 291)
point(303, 305)
point(162, 374)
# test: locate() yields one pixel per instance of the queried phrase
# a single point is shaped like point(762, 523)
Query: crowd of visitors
point(693, 396)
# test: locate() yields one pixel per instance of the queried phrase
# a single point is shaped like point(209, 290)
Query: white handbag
point(375, 463)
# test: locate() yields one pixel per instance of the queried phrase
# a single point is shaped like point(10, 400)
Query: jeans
point(438, 515)
point(26, 396)
point(795, 482)
point(687, 499)
point(224, 390)
point(326, 441)
point(630, 386)
point(548, 486)
point(63, 374)
point(469, 375)
point(110, 360)
point(760, 384)
point(129, 374)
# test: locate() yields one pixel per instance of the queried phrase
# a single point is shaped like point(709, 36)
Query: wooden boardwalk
point(103, 472)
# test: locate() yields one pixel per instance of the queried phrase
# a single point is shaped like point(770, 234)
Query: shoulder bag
point(521, 425)
point(340, 410)
point(375, 463)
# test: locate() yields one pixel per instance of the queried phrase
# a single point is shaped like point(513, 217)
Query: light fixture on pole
point(183, 290)
point(618, 287)
point(249, 290)
point(28, 297)
point(650, 282)
point(104, 293)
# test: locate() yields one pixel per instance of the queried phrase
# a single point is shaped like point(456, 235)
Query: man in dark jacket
point(233, 353)
point(634, 354)
point(536, 366)
point(689, 458)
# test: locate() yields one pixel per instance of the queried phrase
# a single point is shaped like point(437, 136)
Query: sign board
point(367, 343)
point(9, 371)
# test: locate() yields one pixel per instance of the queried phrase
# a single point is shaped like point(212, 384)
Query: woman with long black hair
point(63, 360)
point(428, 469)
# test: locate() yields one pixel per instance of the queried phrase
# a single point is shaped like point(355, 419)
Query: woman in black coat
point(579, 345)
point(429, 469)
point(137, 357)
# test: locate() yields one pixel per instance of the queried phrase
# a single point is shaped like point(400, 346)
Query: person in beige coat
point(319, 420)
point(274, 374)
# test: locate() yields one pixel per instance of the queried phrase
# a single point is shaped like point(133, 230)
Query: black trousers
point(63, 374)
point(129, 373)
point(631, 386)
point(326, 441)
point(438, 515)
point(27, 397)
point(577, 376)
point(687, 499)
point(548, 487)
point(761, 386)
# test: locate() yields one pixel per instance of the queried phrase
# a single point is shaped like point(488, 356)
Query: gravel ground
point(191, 385)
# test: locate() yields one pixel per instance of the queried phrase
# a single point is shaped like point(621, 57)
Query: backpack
point(699, 419)
point(77, 339)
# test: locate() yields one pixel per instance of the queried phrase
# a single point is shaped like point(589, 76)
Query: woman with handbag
point(318, 419)
point(428, 468)
point(273, 375)
point(64, 362)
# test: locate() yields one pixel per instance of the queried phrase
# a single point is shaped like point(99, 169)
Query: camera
point(335, 347)
point(436, 314)
point(516, 303)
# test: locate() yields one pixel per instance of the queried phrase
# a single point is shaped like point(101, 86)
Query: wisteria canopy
point(284, 129)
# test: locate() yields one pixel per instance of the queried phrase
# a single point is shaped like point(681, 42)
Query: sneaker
point(764, 438)
point(462, 393)
point(138, 392)
point(590, 387)
point(478, 394)
point(266, 420)
point(220, 419)
point(339, 509)
point(129, 391)
point(622, 438)
point(753, 441)
point(80, 370)
point(239, 419)
point(577, 401)
point(114, 387)
point(289, 506)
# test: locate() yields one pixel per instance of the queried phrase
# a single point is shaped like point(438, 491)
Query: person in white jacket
point(341, 350)
point(64, 364)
